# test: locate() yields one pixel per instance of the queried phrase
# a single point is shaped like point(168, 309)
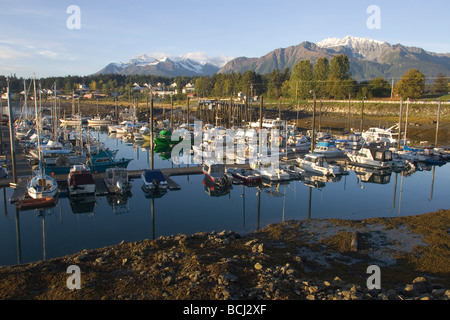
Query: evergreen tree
point(301, 80)
point(320, 75)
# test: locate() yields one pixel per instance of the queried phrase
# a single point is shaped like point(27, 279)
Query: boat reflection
point(119, 202)
point(372, 175)
point(83, 204)
point(214, 190)
point(318, 181)
point(154, 193)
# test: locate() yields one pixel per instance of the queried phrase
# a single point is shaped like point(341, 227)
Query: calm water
point(70, 227)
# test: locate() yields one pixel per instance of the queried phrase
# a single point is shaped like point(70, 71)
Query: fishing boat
point(328, 149)
point(32, 203)
point(372, 157)
point(116, 180)
point(104, 159)
point(164, 137)
point(318, 164)
point(245, 175)
point(215, 172)
point(80, 181)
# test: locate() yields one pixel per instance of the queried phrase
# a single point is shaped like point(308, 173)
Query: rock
point(421, 285)
point(258, 266)
point(226, 278)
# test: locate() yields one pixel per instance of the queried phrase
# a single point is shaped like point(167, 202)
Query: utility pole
point(313, 137)
point(187, 116)
point(437, 124)
point(392, 88)
point(362, 116)
point(151, 129)
point(400, 123)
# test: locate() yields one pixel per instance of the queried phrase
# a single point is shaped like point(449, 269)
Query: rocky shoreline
point(292, 260)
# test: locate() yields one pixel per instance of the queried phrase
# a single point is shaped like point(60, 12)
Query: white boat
point(116, 180)
point(154, 180)
point(299, 143)
point(317, 163)
point(80, 180)
point(352, 141)
point(42, 186)
point(372, 157)
point(328, 149)
point(98, 121)
point(387, 136)
point(270, 172)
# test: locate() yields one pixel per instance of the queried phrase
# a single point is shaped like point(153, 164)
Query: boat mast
point(37, 119)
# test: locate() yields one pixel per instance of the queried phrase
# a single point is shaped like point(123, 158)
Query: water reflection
point(83, 204)
point(199, 206)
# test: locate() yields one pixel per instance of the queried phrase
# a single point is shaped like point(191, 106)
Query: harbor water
point(98, 221)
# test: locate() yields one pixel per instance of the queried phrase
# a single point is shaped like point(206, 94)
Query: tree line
point(324, 79)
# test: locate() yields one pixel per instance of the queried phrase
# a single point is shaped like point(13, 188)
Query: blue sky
point(35, 39)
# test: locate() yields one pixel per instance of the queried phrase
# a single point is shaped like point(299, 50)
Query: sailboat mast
point(37, 120)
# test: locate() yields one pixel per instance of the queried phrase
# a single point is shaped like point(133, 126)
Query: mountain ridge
point(368, 58)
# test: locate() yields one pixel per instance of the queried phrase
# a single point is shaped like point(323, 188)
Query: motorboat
point(270, 171)
point(318, 164)
point(80, 181)
point(245, 175)
point(154, 180)
point(386, 136)
point(116, 180)
point(215, 172)
point(98, 121)
point(372, 157)
point(328, 149)
point(352, 141)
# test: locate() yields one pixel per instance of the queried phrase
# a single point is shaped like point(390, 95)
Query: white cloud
point(8, 53)
point(49, 54)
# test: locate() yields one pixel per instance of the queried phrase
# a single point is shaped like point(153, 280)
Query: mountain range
point(165, 66)
point(368, 59)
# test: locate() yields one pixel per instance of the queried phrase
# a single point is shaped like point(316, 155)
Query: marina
point(192, 204)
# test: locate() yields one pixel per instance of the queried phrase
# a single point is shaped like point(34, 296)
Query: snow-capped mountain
point(360, 47)
point(192, 64)
point(368, 58)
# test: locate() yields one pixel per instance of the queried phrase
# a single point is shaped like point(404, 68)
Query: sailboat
point(41, 185)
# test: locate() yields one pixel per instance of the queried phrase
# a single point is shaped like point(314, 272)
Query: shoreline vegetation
point(312, 259)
